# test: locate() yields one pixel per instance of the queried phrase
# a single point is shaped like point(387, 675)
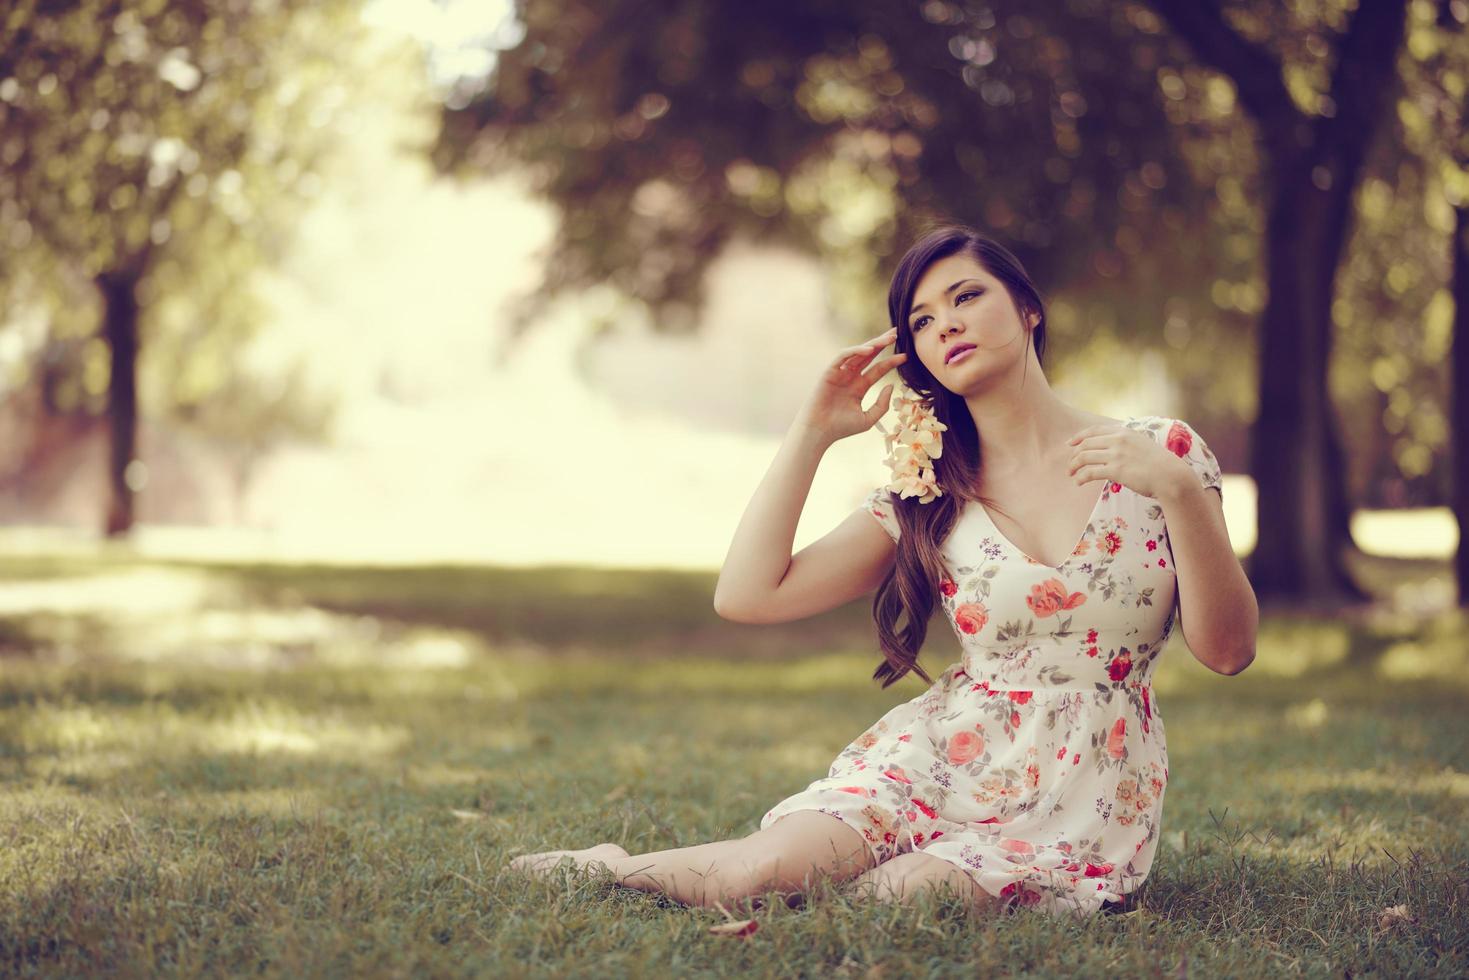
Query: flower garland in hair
point(913, 445)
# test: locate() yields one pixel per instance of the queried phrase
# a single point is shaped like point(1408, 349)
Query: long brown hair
point(910, 588)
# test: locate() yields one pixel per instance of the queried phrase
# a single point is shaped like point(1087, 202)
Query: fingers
point(868, 350)
point(1093, 430)
point(874, 344)
point(883, 339)
point(861, 356)
point(880, 405)
point(882, 367)
point(1081, 459)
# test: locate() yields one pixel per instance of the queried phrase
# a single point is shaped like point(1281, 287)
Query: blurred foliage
point(841, 128)
point(1126, 175)
point(1393, 309)
point(175, 143)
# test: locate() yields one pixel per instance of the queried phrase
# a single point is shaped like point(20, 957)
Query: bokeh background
point(380, 379)
point(404, 281)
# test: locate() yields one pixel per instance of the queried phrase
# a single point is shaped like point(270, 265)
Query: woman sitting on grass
point(1062, 546)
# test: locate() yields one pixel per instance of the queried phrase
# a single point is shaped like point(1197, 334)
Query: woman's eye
point(971, 292)
point(919, 324)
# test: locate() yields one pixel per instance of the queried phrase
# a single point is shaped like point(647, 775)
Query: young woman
point(1062, 546)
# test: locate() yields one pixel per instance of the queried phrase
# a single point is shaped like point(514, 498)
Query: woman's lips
point(965, 352)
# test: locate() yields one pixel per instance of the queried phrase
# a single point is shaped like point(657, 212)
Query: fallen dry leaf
point(468, 814)
point(1397, 917)
point(740, 927)
point(732, 926)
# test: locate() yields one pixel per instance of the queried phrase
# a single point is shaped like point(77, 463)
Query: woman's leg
point(786, 857)
point(908, 874)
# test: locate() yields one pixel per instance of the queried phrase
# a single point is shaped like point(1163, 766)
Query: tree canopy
point(152, 157)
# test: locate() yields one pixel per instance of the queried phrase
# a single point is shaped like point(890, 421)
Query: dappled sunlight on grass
point(1223, 736)
point(803, 757)
point(129, 592)
point(436, 774)
point(55, 803)
point(697, 675)
point(630, 760)
point(203, 617)
point(1442, 660)
point(823, 673)
point(1446, 782)
point(263, 728)
point(1308, 714)
point(287, 765)
point(253, 638)
point(1407, 531)
point(257, 632)
point(1292, 649)
point(1363, 660)
point(64, 728)
point(1370, 818)
point(159, 730)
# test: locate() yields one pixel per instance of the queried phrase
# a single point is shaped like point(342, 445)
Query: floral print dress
point(1036, 762)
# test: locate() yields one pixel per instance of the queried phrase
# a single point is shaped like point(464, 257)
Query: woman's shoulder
point(1183, 440)
point(1159, 425)
point(1154, 425)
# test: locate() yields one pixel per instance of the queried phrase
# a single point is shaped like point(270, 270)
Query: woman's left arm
point(1212, 586)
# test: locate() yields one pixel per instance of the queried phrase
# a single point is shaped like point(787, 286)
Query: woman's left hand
point(1127, 456)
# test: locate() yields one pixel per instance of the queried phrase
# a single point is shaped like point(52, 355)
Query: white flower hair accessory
point(913, 445)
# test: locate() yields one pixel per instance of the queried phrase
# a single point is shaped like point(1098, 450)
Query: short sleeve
point(879, 504)
point(1181, 439)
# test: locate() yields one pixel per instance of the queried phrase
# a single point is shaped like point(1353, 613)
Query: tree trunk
point(1458, 401)
point(1312, 163)
point(1304, 515)
point(120, 329)
point(1287, 454)
point(1339, 167)
point(1340, 506)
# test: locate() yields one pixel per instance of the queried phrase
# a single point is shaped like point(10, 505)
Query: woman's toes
point(546, 860)
point(536, 862)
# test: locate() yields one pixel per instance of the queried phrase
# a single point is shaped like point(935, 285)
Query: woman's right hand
point(834, 410)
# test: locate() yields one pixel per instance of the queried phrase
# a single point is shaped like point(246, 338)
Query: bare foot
point(542, 863)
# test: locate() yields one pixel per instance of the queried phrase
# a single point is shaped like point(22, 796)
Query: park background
point(381, 384)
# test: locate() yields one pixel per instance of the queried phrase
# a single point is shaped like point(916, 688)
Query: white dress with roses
point(1037, 761)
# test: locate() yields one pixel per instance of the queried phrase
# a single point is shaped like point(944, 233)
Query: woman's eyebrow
point(956, 285)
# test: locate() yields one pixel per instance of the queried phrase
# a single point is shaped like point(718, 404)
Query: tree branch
point(1255, 72)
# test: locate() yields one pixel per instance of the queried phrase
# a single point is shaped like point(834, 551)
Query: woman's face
point(958, 304)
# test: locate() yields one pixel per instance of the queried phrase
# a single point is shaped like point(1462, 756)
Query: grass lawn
point(305, 771)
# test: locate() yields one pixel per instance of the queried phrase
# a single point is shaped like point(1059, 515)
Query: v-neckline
point(1075, 544)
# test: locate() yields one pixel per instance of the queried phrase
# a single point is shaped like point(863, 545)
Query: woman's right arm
point(761, 581)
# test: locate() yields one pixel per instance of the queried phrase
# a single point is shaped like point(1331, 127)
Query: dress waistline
point(959, 673)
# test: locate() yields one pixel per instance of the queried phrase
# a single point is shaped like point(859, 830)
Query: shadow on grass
point(174, 818)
